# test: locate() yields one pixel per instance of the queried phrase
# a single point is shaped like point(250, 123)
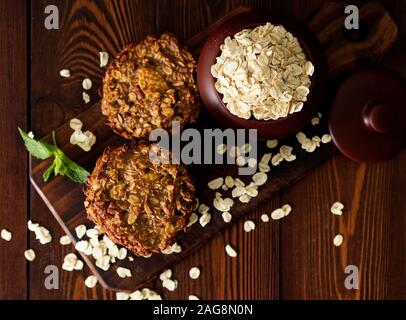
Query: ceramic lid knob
point(379, 117)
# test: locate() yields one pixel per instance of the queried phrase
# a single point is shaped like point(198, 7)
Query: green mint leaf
point(73, 170)
point(62, 165)
point(38, 149)
point(66, 167)
point(59, 168)
point(48, 172)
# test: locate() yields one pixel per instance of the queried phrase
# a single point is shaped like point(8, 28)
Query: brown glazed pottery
point(273, 128)
point(367, 119)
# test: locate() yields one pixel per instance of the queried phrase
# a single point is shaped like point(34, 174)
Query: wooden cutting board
point(345, 51)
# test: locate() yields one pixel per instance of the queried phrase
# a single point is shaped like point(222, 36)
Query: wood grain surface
point(13, 166)
point(293, 258)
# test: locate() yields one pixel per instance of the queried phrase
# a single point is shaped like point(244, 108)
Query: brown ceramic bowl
point(272, 128)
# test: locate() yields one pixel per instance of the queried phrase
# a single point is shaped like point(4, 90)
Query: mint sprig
point(61, 165)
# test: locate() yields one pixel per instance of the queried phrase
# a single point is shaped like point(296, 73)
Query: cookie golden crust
point(138, 204)
point(149, 85)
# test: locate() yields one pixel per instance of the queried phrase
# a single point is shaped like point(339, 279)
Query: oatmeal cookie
point(139, 204)
point(149, 85)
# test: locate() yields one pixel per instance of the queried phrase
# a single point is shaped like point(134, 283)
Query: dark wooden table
point(290, 259)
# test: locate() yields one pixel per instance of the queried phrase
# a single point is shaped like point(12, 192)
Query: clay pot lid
point(367, 119)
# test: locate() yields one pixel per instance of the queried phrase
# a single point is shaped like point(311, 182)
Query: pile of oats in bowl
point(263, 73)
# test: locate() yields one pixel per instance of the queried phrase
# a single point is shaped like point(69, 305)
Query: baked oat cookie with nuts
point(149, 85)
point(139, 204)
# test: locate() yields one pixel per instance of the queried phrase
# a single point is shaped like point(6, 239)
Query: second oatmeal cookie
point(149, 85)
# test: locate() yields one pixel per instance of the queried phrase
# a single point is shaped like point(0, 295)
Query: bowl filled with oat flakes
point(262, 70)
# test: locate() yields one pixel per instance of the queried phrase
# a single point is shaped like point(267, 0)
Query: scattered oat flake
point(264, 167)
point(203, 208)
point(276, 159)
point(286, 209)
point(122, 254)
point(259, 178)
point(194, 273)
point(136, 295)
point(234, 151)
point(205, 219)
point(301, 137)
point(192, 219)
point(229, 181)
point(123, 272)
point(122, 296)
point(80, 231)
point(239, 182)
point(286, 153)
point(315, 121)
point(216, 183)
point(75, 124)
point(92, 233)
point(238, 191)
point(79, 265)
point(245, 148)
point(338, 240)
point(221, 148)
point(249, 226)
point(252, 162)
point(176, 248)
point(153, 296)
point(170, 284)
point(69, 262)
point(326, 138)
point(85, 97)
point(230, 251)
point(226, 216)
point(32, 226)
point(245, 198)
point(29, 254)
point(6, 235)
point(277, 214)
point(241, 161)
point(87, 84)
point(265, 217)
point(65, 73)
point(252, 190)
point(271, 143)
point(337, 208)
point(167, 274)
point(223, 205)
point(82, 246)
point(104, 58)
point(91, 281)
point(41, 233)
point(103, 262)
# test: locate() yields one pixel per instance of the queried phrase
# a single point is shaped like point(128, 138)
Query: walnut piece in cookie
point(139, 204)
point(149, 85)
